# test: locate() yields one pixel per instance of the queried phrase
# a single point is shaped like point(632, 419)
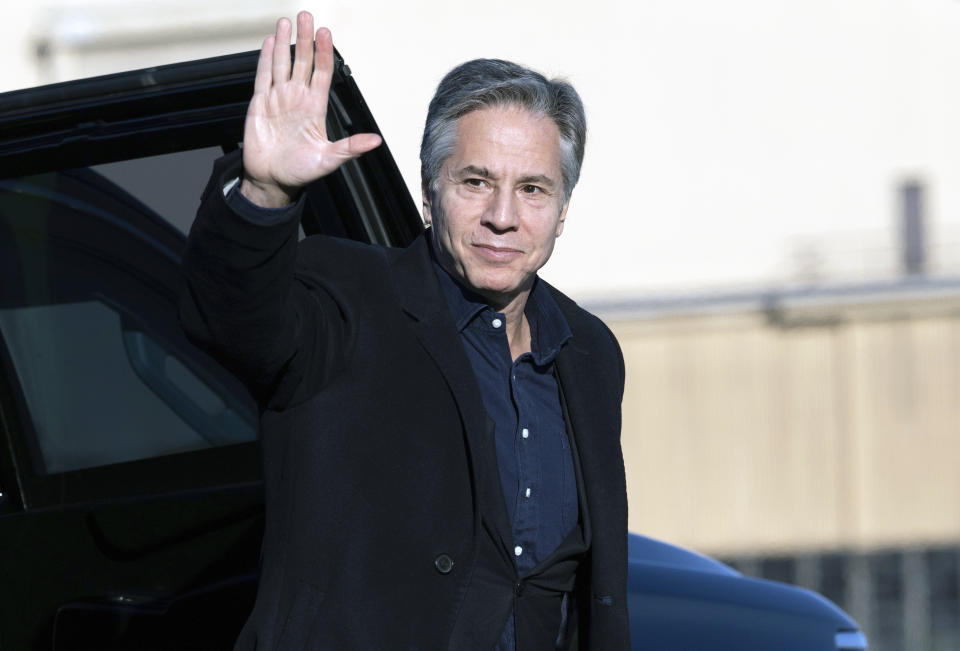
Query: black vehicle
point(131, 505)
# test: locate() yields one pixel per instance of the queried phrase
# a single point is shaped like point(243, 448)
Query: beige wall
point(837, 428)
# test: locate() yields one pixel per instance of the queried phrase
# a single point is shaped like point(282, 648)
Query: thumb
point(353, 146)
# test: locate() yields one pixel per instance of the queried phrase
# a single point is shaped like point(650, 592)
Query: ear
point(563, 217)
point(425, 193)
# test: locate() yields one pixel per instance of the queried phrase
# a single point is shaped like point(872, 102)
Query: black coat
point(377, 454)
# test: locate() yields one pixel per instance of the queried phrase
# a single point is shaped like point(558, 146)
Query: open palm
point(285, 144)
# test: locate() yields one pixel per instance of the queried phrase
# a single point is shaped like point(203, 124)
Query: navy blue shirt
point(522, 398)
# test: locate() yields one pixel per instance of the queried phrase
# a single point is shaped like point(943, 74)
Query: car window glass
point(173, 194)
point(88, 321)
point(99, 395)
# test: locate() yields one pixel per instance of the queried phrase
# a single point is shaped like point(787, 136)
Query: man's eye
point(531, 189)
point(475, 183)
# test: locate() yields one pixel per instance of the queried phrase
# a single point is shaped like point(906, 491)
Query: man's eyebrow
point(537, 179)
point(473, 170)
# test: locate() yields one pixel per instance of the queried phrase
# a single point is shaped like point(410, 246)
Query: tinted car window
point(169, 184)
point(88, 322)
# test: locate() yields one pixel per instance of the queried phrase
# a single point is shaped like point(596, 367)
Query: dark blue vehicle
point(679, 600)
point(131, 504)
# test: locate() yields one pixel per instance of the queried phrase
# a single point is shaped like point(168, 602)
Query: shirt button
point(496, 323)
point(527, 494)
point(517, 550)
point(525, 433)
point(443, 564)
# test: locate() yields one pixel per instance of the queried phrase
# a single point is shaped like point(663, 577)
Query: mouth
point(496, 253)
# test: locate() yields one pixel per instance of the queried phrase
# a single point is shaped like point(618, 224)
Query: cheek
point(546, 250)
point(546, 228)
point(456, 217)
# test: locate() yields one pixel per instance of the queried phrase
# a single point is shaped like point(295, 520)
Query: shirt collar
point(549, 330)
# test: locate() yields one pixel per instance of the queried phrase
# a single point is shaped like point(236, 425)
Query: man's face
point(499, 202)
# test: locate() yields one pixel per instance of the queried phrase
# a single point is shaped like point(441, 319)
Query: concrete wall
point(837, 427)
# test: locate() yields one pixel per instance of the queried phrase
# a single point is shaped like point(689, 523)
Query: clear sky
point(730, 143)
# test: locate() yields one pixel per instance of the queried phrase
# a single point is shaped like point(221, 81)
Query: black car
point(131, 504)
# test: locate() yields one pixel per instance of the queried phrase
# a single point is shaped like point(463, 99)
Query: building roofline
point(899, 291)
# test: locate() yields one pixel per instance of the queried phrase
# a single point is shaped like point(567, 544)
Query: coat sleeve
point(242, 302)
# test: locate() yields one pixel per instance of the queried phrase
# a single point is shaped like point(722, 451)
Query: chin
point(496, 290)
point(496, 283)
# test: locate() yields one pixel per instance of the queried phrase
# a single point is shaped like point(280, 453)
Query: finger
point(303, 53)
point(281, 52)
point(262, 81)
point(322, 61)
point(353, 146)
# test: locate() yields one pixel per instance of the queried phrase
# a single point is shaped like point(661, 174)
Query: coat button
point(443, 564)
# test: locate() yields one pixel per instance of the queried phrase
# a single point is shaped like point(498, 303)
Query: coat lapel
point(570, 365)
point(593, 407)
point(421, 298)
point(594, 411)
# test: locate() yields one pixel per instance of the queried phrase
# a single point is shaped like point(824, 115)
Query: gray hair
point(484, 83)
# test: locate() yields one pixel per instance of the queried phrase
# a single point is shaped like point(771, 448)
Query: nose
point(501, 213)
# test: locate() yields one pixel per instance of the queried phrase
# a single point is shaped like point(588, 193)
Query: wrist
point(265, 195)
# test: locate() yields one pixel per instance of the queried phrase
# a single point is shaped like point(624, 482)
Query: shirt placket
point(527, 440)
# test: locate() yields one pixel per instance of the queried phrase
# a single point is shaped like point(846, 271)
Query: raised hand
point(285, 143)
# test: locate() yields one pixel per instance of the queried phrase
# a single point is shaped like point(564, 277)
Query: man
point(440, 428)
